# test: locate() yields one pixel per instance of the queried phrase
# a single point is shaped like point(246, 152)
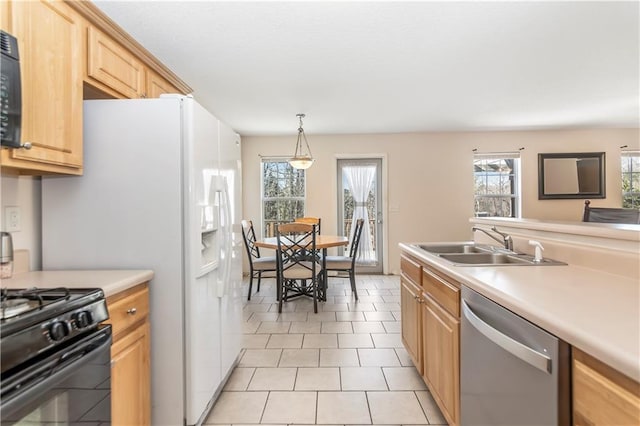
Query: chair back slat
point(309, 220)
point(296, 247)
point(355, 243)
point(249, 236)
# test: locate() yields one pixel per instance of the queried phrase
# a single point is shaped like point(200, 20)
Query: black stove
point(36, 320)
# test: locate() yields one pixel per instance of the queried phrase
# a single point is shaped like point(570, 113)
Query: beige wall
point(429, 191)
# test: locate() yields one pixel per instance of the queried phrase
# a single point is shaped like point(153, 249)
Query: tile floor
point(344, 365)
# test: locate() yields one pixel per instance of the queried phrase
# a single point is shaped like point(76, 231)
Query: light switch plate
point(12, 218)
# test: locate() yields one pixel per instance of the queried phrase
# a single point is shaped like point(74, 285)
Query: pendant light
point(301, 159)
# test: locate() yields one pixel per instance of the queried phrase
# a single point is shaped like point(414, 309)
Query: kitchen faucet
point(506, 240)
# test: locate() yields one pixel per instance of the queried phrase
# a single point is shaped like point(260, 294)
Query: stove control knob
point(58, 330)
point(83, 319)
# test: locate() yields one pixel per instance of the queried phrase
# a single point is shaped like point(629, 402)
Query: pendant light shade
point(302, 158)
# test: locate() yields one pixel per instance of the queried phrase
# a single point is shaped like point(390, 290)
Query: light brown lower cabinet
point(441, 355)
point(410, 300)
point(602, 395)
point(130, 363)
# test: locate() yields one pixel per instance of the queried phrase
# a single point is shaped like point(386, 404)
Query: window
point(631, 179)
point(497, 184)
point(283, 194)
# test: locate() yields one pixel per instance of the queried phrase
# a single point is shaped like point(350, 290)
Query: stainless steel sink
point(468, 253)
point(495, 259)
point(466, 247)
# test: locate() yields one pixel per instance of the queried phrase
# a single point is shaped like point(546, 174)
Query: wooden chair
point(610, 214)
point(347, 263)
point(257, 264)
point(298, 262)
point(310, 220)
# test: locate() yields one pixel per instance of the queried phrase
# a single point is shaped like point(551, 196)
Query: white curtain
point(359, 181)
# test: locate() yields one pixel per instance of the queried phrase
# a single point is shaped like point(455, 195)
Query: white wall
point(24, 192)
point(430, 176)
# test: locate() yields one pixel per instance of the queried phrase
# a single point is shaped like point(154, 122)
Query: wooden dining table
point(323, 242)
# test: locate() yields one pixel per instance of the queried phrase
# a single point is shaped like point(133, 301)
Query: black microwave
point(10, 92)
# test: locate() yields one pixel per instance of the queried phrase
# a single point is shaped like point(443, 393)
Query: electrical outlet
point(12, 219)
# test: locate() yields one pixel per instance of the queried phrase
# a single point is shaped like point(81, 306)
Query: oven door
point(69, 387)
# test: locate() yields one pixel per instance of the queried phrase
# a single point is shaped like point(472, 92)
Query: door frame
point(384, 201)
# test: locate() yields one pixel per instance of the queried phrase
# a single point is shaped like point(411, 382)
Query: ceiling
point(390, 67)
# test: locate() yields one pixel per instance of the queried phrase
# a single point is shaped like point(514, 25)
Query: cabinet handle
point(26, 145)
point(132, 311)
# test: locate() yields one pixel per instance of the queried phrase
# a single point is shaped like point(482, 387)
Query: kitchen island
point(596, 312)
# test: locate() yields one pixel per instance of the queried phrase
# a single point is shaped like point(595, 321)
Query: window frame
point(515, 195)
point(634, 192)
point(264, 199)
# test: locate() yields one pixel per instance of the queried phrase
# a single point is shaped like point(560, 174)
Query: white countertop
point(110, 281)
point(594, 311)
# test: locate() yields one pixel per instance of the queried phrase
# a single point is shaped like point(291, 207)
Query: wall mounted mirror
point(571, 175)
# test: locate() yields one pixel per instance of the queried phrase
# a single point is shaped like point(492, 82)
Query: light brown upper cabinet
point(113, 67)
point(49, 43)
point(156, 85)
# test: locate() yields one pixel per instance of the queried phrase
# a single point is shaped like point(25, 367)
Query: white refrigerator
point(161, 190)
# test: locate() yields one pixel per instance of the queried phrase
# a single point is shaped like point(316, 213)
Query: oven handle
point(524, 352)
point(58, 368)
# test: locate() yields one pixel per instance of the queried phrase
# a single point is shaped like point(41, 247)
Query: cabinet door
point(130, 378)
point(114, 66)
point(411, 324)
point(441, 353)
point(49, 42)
point(156, 85)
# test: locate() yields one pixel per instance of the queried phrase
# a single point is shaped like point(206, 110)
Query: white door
point(360, 197)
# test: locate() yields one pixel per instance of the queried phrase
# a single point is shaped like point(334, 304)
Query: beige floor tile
point(343, 408)
point(388, 340)
point(273, 379)
point(403, 378)
point(395, 408)
point(249, 327)
point(379, 292)
point(285, 341)
point(339, 358)
point(362, 378)
point(273, 327)
point(293, 316)
point(336, 327)
point(378, 358)
point(430, 408)
point(335, 307)
point(321, 316)
point(368, 327)
point(300, 358)
point(392, 326)
point(404, 357)
point(362, 340)
point(255, 341)
point(256, 307)
point(350, 316)
point(382, 307)
point(260, 358)
point(397, 315)
point(318, 379)
point(361, 307)
point(264, 316)
point(379, 316)
point(391, 299)
point(290, 407)
point(286, 308)
point(231, 407)
point(239, 379)
point(305, 327)
point(320, 341)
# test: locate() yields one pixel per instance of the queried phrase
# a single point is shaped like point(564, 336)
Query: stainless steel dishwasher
point(511, 371)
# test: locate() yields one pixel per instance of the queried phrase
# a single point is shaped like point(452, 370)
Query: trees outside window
point(497, 183)
point(283, 194)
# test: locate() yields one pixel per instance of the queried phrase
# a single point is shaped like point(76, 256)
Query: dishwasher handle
point(530, 356)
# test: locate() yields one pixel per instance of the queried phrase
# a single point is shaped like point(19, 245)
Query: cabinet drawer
point(445, 293)
point(411, 269)
point(128, 309)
